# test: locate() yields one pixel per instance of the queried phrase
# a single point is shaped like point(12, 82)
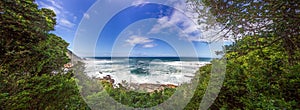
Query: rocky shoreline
point(143, 87)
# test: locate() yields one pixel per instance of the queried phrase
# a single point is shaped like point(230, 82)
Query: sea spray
point(153, 70)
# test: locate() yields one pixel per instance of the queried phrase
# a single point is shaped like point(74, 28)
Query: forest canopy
point(264, 18)
point(32, 59)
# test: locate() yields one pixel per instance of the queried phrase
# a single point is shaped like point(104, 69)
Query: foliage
point(25, 42)
point(101, 97)
point(280, 18)
point(204, 76)
point(42, 92)
point(259, 78)
point(137, 99)
point(31, 60)
point(263, 63)
point(255, 78)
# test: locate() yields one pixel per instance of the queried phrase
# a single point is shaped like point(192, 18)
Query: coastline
point(142, 87)
point(164, 72)
point(137, 82)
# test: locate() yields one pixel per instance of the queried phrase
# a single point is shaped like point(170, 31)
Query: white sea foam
point(167, 72)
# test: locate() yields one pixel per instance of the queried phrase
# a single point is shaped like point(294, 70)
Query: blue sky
point(129, 28)
point(68, 14)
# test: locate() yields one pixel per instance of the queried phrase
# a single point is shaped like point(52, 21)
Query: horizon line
point(144, 56)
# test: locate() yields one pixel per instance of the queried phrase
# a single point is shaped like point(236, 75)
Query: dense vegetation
point(255, 78)
point(279, 19)
point(31, 60)
point(262, 69)
point(136, 99)
point(263, 64)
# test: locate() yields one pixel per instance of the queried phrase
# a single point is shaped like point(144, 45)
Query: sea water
point(153, 70)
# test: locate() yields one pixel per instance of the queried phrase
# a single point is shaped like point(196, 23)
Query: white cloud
point(66, 23)
point(86, 16)
point(56, 4)
point(189, 28)
point(162, 24)
point(145, 42)
point(187, 20)
point(62, 14)
point(139, 2)
point(133, 40)
point(149, 45)
point(182, 18)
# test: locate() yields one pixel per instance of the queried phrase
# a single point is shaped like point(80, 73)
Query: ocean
point(154, 70)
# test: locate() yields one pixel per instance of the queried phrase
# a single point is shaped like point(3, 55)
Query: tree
point(29, 57)
point(254, 79)
point(24, 30)
point(263, 62)
point(258, 79)
point(279, 18)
